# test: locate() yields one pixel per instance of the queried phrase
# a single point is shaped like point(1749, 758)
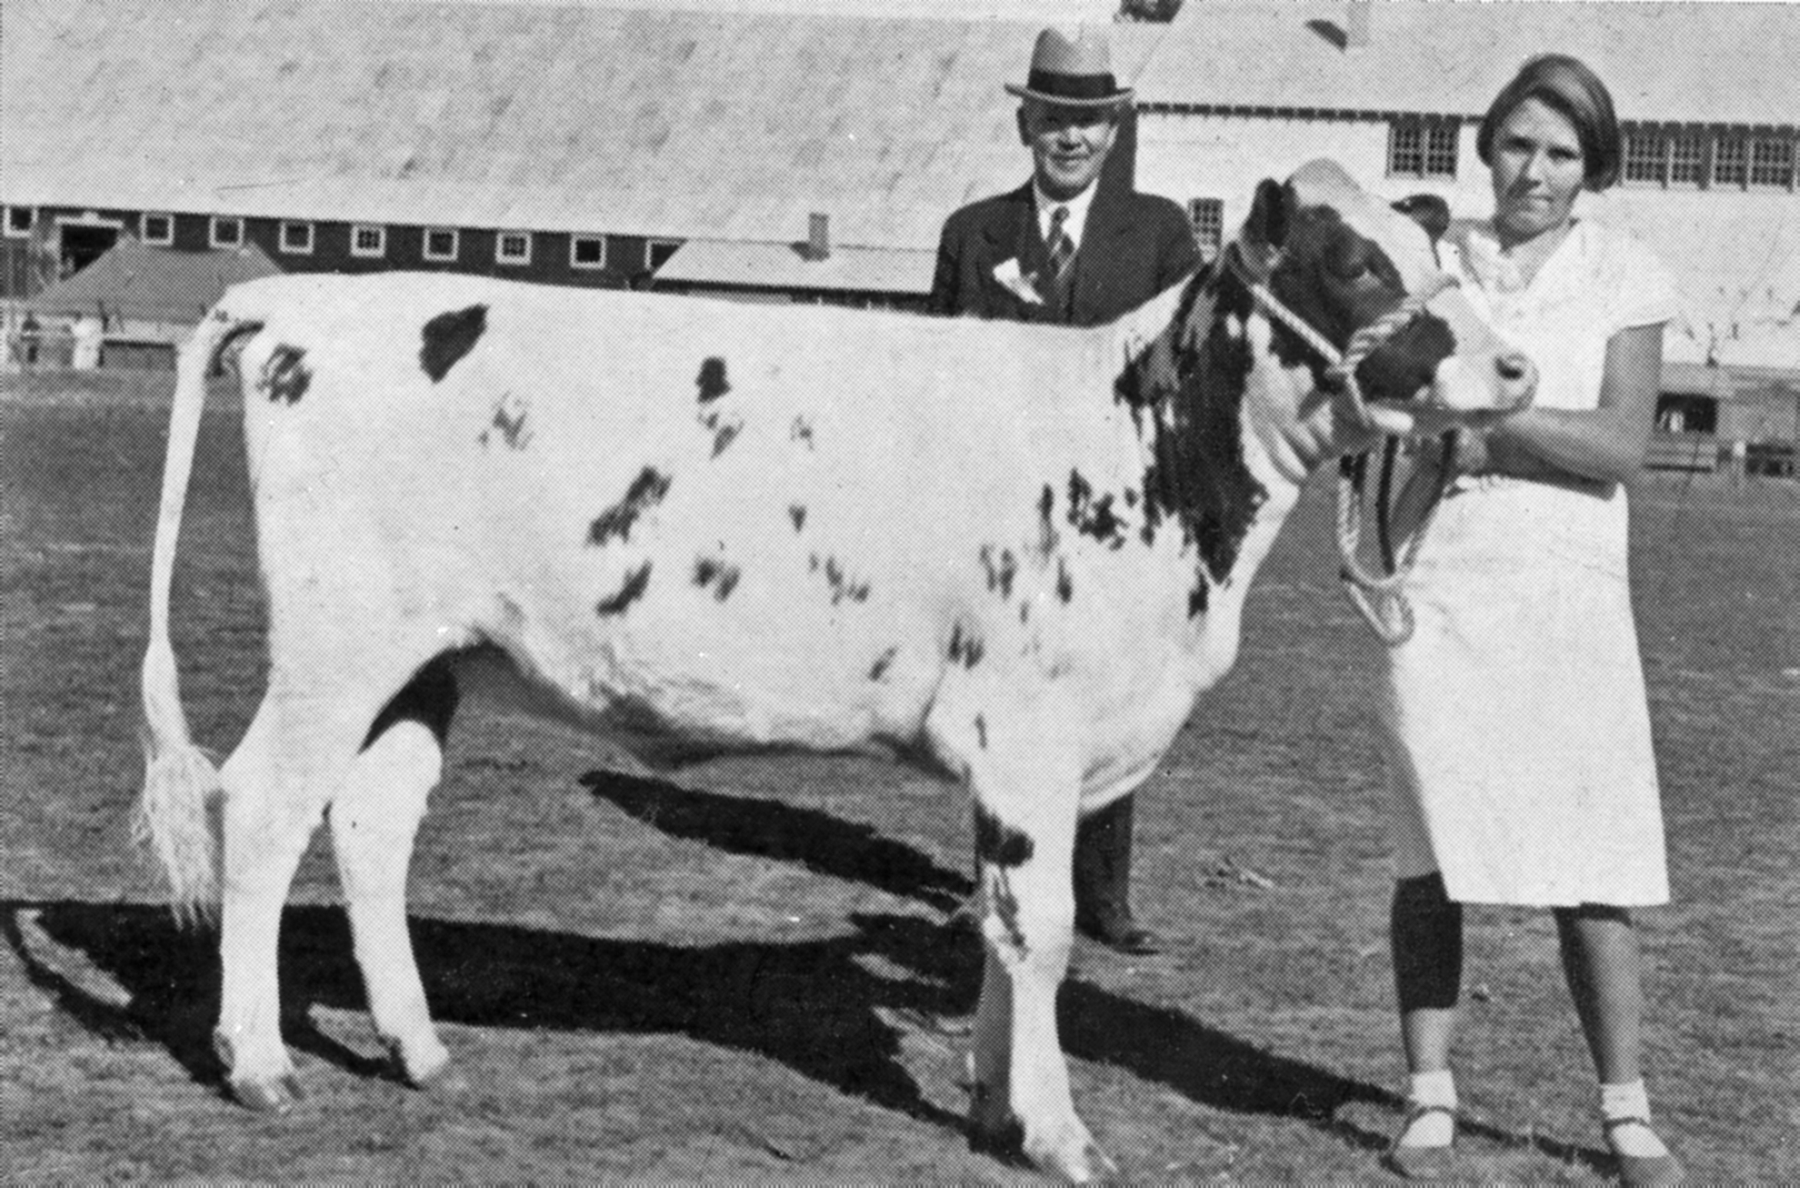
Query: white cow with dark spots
point(702, 527)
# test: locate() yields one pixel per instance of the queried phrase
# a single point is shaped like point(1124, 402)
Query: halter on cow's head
point(1355, 295)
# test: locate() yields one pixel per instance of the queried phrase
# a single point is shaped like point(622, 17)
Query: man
point(1070, 248)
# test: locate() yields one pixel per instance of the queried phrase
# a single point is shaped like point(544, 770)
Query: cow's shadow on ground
point(835, 1010)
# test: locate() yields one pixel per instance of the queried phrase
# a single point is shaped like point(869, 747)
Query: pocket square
point(1018, 283)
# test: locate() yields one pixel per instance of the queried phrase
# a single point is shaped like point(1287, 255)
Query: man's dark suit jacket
point(1133, 247)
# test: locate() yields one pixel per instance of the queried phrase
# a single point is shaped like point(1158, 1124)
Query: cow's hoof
point(1071, 1156)
point(275, 1096)
point(427, 1068)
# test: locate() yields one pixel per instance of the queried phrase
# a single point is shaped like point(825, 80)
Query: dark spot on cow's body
point(1093, 517)
point(999, 844)
point(450, 336)
point(285, 376)
point(842, 585)
point(1065, 585)
point(722, 577)
point(712, 381)
point(630, 590)
point(1197, 597)
point(801, 431)
point(981, 731)
point(882, 663)
point(509, 423)
point(723, 435)
point(1000, 570)
point(1046, 525)
point(645, 492)
point(965, 648)
point(797, 514)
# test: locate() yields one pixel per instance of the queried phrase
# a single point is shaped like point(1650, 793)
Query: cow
point(1014, 552)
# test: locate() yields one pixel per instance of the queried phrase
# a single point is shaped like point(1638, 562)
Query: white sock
point(1431, 1089)
point(1630, 1101)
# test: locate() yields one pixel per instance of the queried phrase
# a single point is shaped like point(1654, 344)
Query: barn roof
point(693, 124)
point(1674, 62)
point(788, 266)
point(153, 283)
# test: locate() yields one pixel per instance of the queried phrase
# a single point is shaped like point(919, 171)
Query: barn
point(803, 154)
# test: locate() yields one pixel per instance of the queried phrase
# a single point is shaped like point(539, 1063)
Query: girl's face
point(1538, 170)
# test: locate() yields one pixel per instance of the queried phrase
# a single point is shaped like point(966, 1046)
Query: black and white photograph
point(900, 591)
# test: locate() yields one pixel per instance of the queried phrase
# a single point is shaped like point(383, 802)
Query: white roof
point(787, 266)
point(1677, 62)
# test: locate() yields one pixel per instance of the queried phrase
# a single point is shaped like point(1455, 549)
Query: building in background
point(755, 151)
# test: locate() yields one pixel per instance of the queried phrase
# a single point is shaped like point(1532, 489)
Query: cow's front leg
point(1024, 770)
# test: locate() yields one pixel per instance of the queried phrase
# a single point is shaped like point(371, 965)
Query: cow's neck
point(1225, 449)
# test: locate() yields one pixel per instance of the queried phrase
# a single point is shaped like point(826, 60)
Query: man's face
point(1068, 144)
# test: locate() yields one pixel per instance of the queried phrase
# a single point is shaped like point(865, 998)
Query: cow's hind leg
point(374, 819)
point(275, 787)
point(1024, 770)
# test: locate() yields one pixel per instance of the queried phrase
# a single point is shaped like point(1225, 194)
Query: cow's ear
point(1268, 224)
point(1429, 211)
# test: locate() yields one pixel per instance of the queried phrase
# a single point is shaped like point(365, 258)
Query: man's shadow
point(815, 1006)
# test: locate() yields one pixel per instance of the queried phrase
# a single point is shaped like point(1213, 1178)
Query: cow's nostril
point(1512, 367)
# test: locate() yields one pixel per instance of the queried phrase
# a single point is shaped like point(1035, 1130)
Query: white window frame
point(304, 248)
point(1207, 218)
point(1731, 152)
point(1688, 153)
point(501, 256)
point(449, 257)
point(1423, 147)
point(30, 213)
point(575, 241)
point(144, 235)
point(378, 251)
point(1782, 181)
point(650, 246)
point(1651, 163)
point(218, 221)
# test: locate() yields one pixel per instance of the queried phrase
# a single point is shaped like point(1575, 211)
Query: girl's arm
point(1606, 444)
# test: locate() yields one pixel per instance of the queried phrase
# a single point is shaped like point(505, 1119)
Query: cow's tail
point(179, 780)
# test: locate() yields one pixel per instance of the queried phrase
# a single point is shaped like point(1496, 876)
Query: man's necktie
point(1062, 248)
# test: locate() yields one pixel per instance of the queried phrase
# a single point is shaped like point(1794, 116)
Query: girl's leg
point(1427, 940)
point(1601, 963)
point(1428, 955)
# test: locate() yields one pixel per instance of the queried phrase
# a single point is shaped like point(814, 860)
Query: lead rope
point(1377, 597)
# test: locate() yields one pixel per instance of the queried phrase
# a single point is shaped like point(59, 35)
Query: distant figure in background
point(87, 333)
point(1067, 248)
point(1524, 621)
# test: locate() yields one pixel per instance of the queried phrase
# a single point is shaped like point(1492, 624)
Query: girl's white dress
point(1516, 722)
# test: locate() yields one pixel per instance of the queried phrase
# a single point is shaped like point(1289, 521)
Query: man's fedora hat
point(1072, 71)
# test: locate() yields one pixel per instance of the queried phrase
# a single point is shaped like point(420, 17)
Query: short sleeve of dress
point(1643, 289)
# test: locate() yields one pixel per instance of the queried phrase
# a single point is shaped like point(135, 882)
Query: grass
point(747, 975)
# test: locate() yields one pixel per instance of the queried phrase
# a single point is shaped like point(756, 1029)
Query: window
point(1772, 162)
point(1646, 155)
point(297, 239)
point(158, 230)
point(226, 232)
point(19, 221)
point(1729, 156)
point(587, 251)
point(368, 241)
point(442, 243)
point(1687, 159)
point(513, 247)
point(1422, 148)
point(1207, 215)
point(660, 250)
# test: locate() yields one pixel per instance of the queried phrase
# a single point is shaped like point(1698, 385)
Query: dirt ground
point(746, 974)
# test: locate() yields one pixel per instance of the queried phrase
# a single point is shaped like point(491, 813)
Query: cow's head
point(1341, 260)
